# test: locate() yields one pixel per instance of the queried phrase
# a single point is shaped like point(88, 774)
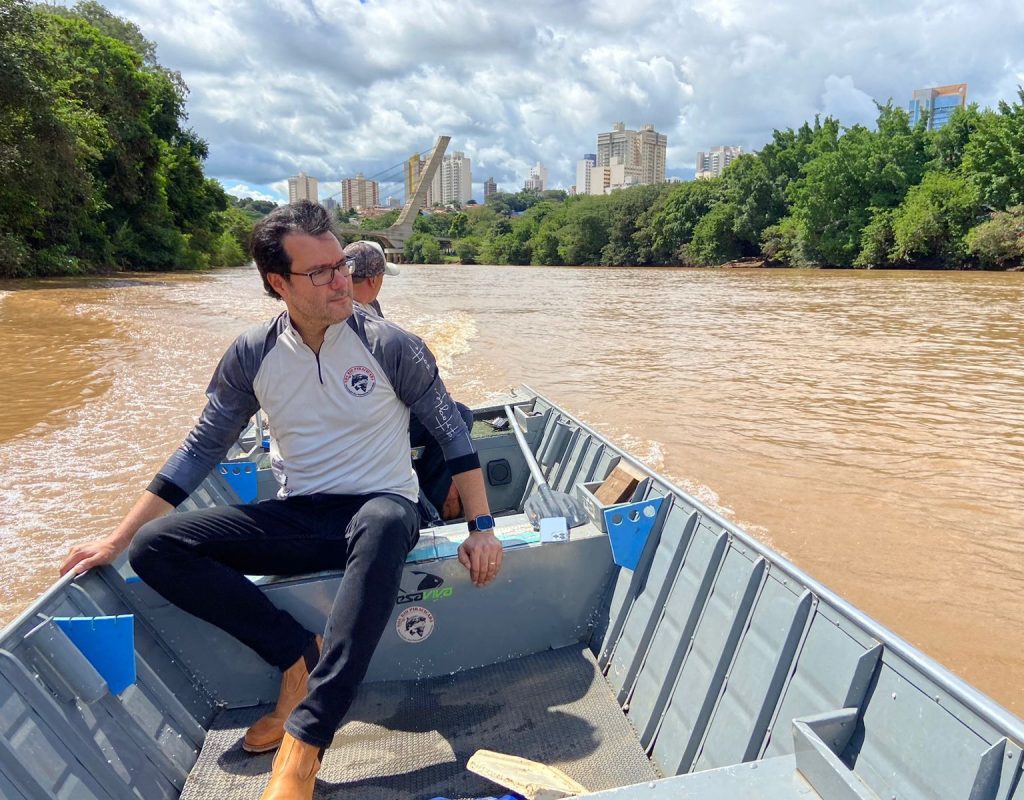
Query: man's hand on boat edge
point(87, 555)
point(481, 555)
point(96, 553)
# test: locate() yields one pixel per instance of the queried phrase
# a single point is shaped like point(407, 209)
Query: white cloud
point(240, 190)
point(844, 101)
point(332, 87)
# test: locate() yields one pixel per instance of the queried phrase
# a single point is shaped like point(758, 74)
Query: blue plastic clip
point(108, 643)
point(241, 477)
point(628, 527)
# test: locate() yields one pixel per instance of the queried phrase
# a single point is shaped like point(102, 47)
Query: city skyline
point(536, 82)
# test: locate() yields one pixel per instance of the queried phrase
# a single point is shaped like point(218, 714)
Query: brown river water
point(868, 425)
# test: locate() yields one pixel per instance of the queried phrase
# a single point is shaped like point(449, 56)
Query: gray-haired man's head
point(369, 260)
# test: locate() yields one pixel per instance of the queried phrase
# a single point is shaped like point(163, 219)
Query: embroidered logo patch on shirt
point(360, 381)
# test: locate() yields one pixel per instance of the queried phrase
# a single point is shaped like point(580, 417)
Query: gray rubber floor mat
point(411, 740)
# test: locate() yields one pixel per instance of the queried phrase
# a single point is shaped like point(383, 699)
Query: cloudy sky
point(332, 87)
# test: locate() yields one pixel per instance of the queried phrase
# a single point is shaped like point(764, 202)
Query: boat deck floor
point(410, 740)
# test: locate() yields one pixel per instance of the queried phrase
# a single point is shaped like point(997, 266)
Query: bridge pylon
point(395, 236)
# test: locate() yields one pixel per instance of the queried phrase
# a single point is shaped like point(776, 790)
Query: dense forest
point(822, 195)
point(96, 169)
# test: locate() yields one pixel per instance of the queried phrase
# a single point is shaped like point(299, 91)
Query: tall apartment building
point(641, 153)
point(939, 103)
point(584, 170)
point(490, 187)
point(537, 180)
point(605, 180)
point(359, 193)
point(303, 187)
point(452, 182)
point(711, 163)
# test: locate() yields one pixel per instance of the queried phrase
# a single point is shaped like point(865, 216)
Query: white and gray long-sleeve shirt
point(339, 420)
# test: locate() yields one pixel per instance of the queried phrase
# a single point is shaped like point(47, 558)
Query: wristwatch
point(484, 524)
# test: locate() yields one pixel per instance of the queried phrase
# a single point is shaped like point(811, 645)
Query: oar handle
point(531, 460)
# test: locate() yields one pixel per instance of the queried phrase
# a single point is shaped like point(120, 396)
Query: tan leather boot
point(295, 768)
point(267, 732)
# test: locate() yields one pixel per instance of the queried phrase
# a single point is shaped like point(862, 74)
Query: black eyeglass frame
point(347, 264)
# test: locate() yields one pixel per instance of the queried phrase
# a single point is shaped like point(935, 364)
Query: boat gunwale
point(986, 708)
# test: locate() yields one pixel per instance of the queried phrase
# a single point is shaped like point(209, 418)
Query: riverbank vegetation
point(821, 195)
point(97, 168)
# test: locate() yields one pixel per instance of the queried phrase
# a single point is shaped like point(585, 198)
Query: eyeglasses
point(324, 275)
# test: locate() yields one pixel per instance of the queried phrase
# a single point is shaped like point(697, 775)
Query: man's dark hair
point(268, 235)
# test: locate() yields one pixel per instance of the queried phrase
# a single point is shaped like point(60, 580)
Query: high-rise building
point(711, 163)
point(584, 168)
point(652, 146)
point(537, 179)
point(394, 202)
point(453, 181)
point(642, 152)
point(303, 187)
point(330, 204)
point(359, 193)
point(938, 102)
point(605, 180)
point(490, 187)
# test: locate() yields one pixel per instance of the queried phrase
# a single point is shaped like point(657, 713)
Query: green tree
point(49, 147)
point(931, 223)
point(947, 144)
point(385, 220)
point(877, 240)
point(994, 156)
point(584, 236)
point(782, 243)
point(95, 168)
point(714, 237)
point(625, 210)
point(852, 174)
point(236, 223)
point(670, 222)
point(422, 248)
point(468, 249)
point(459, 225)
point(999, 242)
point(436, 224)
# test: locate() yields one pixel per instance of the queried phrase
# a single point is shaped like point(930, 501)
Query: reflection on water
point(868, 425)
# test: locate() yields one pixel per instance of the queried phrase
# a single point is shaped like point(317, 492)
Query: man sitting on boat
point(338, 385)
point(436, 485)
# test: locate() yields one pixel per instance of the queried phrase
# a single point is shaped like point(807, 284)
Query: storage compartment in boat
point(587, 493)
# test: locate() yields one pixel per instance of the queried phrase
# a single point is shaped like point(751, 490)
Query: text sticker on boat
point(415, 624)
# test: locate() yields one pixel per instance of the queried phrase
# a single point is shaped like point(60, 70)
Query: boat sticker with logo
point(430, 588)
point(415, 624)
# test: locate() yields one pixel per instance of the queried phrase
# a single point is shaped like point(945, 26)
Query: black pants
point(198, 560)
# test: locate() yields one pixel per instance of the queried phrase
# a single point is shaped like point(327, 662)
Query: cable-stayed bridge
point(394, 237)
